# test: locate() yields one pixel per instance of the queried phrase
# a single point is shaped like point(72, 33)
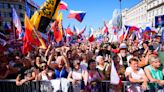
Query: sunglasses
point(77, 64)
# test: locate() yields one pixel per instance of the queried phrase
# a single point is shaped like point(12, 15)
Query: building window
point(11, 15)
point(16, 6)
point(153, 13)
point(2, 14)
point(1, 5)
point(161, 10)
point(23, 8)
point(7, 14)
point(6, 5)
point(20, 6)
point(157, 2)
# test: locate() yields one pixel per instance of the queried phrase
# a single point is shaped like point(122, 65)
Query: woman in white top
point(78, 77)
point(46, 74)
point(136, 76)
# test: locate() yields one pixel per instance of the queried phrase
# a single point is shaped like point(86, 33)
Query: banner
point(42, 17)
point(159, 21)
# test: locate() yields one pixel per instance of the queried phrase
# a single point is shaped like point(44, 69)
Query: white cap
point(122, 46)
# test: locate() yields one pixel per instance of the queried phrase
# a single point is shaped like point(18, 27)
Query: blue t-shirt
point(60, 74)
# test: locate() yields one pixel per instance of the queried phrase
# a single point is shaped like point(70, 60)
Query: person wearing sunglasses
point(78, 77)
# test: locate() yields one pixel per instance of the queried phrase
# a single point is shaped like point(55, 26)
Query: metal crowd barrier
point(31, 86)
point(46, 86)
point(105, 86)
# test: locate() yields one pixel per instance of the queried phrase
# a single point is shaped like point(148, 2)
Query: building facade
point(154, 8)
point(20, 7)
point(143, 13)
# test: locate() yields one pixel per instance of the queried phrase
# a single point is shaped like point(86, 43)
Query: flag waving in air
point(42, 17)
point(91, 36)
point(68, 31)
point(115, 79)
point(81, 32)
point(105, 29)
point(63, 5)
point(75, 30)
point(17, 23)
point(78, 15)
point(31, 37)
point(57, 28)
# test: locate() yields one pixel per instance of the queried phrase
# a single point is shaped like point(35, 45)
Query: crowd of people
point(87, 64)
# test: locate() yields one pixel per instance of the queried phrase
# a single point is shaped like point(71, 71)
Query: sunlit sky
point(97, 11)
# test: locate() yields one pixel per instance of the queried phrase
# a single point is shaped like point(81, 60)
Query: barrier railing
point(31, 86)
point(50, 86)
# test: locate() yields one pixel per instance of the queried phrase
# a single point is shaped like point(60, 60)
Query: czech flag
point(105, 29)
point(115, 30)
point(78, 15)
point(16, 22)
point(81, 32)
point(75, 30)
point(127, 27)
point(7, 27)
point(114, 77)
point(91, 38)
point(121, 36)
point(133, 28)
point(63, 6)
point(68, 31)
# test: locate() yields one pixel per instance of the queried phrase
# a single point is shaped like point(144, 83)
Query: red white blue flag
point(63, 5)
point(17, 23)
point(81, 32)
point(78, 15)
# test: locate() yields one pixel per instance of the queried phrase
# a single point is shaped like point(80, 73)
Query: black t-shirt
point(105, 52)
point(26, 72)
point(124, 59)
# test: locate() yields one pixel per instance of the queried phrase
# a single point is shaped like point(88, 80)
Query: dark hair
point(114, 46)
point(89, 62)
point(115, 56)
point(146, 42)
point(38, 56)
point(151, 47)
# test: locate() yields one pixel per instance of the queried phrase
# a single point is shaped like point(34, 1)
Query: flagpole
point(120, 14)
